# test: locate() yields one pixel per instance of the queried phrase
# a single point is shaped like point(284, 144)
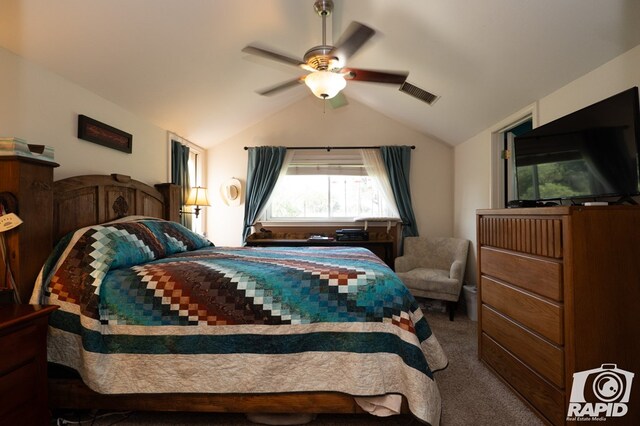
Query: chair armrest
point(404, 263)
point(457, 270)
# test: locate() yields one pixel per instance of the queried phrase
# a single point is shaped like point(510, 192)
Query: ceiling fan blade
point(396, 77)
point(280, 87)
point(419, 93)
point(254, 50)
point(351, 41)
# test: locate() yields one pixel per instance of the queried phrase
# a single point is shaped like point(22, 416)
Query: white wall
point(306, 124)
point(42, 108)
point(472, 159)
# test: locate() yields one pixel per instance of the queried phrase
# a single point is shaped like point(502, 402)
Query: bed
point(155, 317)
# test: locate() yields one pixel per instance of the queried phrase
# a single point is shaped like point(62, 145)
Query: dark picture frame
point(94, 131)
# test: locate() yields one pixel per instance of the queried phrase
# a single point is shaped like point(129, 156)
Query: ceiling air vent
point(419, 93)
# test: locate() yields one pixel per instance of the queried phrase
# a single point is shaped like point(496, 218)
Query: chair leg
point(451, 307)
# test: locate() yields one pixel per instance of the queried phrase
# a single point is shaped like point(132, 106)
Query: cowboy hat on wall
point(231, 192)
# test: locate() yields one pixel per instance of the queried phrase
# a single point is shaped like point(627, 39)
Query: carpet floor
point(471, 394)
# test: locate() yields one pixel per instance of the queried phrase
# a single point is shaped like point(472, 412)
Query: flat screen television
point(589, 154)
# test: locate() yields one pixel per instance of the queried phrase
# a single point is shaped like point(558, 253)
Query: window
point(195, 179)
point(565, 178)
point(512, 187)
point(326, 197)
point(196, 166)
point(327, 187)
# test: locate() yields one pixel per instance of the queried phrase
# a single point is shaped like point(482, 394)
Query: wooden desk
point(382, 248)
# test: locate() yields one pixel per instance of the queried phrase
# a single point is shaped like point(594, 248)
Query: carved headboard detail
point(120, 207)
point(92, 199)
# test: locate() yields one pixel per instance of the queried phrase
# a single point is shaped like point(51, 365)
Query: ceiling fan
point(326, 64)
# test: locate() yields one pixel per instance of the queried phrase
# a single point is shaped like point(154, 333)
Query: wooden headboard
point(52, 209)
point(92, 199)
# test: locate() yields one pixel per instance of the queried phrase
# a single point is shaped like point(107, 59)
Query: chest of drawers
point(23, 364)
point(559, 293)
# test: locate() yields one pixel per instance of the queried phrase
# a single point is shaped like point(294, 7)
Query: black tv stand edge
point(627, 199)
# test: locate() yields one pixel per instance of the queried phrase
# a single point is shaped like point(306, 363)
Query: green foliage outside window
point(559, 180)
point(325, 197)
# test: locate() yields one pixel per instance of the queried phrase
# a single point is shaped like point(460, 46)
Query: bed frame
point(92, 199)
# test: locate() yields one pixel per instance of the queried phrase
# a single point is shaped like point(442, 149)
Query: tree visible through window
point(326, 197)
point(554, 180)
point(330, 186)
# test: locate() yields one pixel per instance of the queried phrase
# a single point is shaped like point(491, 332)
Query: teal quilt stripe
point(363, 343)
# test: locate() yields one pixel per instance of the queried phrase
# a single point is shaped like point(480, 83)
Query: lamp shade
point(197, 197)
point(325, 84)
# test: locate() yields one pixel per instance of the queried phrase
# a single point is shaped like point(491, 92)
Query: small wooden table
point(23, 364)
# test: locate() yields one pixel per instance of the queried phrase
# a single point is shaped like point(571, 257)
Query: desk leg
point(388, 255)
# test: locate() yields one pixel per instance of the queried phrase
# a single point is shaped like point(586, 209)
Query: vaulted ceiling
point(179, 64)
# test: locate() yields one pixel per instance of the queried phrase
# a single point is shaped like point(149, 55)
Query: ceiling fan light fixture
point(325, 84)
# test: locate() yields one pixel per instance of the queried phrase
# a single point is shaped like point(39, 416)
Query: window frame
point(498, 174)
point(346, 161)
point(199, 224)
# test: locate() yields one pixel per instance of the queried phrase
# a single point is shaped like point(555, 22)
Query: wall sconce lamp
point(197, 197)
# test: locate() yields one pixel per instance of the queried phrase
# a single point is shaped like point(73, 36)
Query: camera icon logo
point(601, 392)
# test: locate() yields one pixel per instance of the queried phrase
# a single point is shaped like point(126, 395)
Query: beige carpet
point(471, 394)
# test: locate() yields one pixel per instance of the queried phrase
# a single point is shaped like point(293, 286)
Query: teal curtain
point(397, 160)
point(263, 170)
point(180, 176)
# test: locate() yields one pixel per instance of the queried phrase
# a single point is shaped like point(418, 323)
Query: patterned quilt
point(147, 306)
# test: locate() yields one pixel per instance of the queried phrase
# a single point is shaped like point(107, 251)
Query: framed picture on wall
point(94, 131)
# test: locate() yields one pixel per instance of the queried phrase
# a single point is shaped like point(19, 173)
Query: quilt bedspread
point(146, 306)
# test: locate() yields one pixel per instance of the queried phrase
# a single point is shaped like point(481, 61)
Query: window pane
point(300, 197)
point(353, 196)
point(561, 179)
point(326, 197)
point(197, 223)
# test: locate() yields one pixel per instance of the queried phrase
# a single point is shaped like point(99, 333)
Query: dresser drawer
point(542, 356)
point(534, 312)
point(19, 346)
point(23, 364)
point(17, 388)
point(545, 397)
point(539, 275)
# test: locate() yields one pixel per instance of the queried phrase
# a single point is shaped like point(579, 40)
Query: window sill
point(305, 223)
point(358, 222)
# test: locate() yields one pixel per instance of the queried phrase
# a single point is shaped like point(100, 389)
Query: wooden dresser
point(23, 364)
point(559, 293)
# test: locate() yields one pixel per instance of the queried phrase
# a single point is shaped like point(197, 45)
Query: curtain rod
point(329, 148)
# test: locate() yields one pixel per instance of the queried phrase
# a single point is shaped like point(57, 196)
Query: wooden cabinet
point(30, 180)
point(559, 293)
point(23, 364)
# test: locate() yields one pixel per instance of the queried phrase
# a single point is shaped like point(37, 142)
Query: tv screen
point(591, 153)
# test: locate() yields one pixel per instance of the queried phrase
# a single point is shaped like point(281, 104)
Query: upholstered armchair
point(434, 268)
